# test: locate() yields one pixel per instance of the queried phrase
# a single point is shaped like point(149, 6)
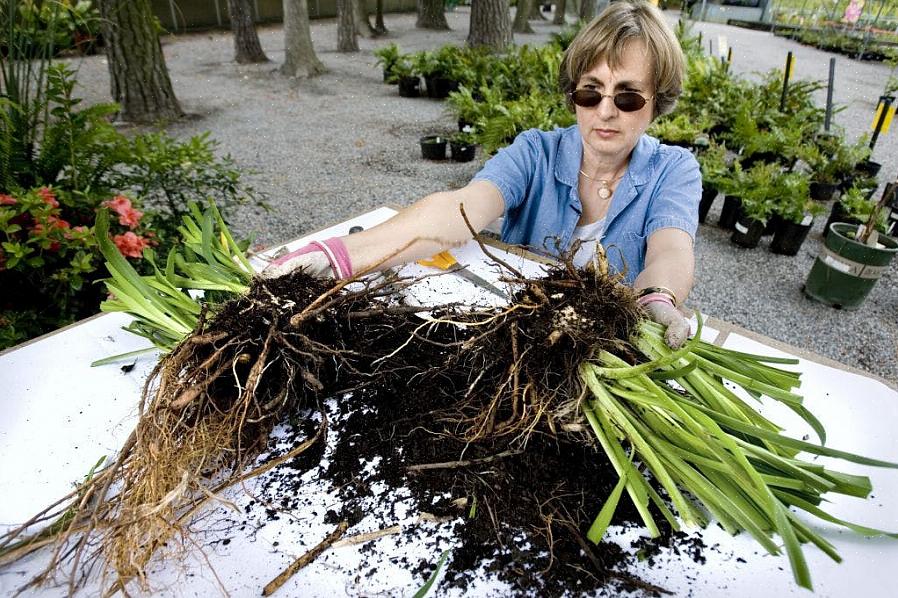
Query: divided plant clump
point(537, 418)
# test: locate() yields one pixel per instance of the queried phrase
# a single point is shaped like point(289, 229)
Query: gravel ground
point(343, 143)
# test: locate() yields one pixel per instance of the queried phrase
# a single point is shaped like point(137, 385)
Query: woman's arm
point(429, 226)
point(669, 263)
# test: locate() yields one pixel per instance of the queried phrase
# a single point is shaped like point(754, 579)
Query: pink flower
point(56, 222)
point(130, 245)
point(7, 200)
point(48, 196)
point(127, 215)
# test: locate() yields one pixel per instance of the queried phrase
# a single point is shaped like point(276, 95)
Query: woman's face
point(609, 133)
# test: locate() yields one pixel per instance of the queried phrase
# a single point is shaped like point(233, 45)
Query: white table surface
point(58, 415)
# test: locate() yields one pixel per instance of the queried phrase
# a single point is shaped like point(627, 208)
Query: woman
point(601, 179)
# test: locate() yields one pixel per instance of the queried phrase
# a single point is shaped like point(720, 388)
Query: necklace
point(605, 189)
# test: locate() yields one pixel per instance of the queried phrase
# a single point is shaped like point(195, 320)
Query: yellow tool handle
point(443, 260)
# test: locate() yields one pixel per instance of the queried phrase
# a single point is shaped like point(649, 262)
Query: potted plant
point(825, 172)
point(795, 213)
point(854, 207)
point(407, 79)
point(433, 147)
point(680, 129)
point(852, 260)
point(387, 57)
point(715, 167)
point(756, 192)
point(730, 183)
point(436, 69)
point(463, 145)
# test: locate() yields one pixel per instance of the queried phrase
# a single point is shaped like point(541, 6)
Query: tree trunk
point(587, 10)
point(346, 39)
point(300, 59)
point(431, 15)
point(521, 17)
point(560, 7)
point(536, 11)
point(379, 26)
point(247, 48)
point(362, 22)
point(137, 71)
point(490, 25)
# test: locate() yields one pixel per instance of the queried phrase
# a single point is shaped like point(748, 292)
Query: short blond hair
point(606, 38)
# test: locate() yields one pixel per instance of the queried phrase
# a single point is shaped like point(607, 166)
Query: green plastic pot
point(845, 271)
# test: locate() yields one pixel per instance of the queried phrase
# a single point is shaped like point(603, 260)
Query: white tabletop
point(59, 415)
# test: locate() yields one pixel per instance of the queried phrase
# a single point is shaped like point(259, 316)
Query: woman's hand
point(322, 259)
point(662, 310)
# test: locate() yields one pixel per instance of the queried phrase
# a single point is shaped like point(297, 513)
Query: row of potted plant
point(851, 45)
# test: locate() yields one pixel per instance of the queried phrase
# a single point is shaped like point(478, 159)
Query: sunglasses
point(625, 101)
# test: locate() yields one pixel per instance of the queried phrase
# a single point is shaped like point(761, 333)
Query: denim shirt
point(538, 177)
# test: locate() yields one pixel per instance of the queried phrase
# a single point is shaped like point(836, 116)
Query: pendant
point(604, 193)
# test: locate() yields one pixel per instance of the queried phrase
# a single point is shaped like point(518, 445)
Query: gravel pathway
point(326, 149)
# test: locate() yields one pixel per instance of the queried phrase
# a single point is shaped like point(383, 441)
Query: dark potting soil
point(524, 494)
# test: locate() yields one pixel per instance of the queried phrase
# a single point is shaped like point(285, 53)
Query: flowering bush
point(49, 258)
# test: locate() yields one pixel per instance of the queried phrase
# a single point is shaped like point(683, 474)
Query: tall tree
point(431, 15)
point(137, 71)
point(521, 17)
point(379, 26)
point(560, 7)
point(490, 25)
point(587, 9)
point(247, 48)
point(300, 59)
point(346, 38)
point(362, 22)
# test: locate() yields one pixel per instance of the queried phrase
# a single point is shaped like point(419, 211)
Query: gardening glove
point(661, 309)
point(322, 259)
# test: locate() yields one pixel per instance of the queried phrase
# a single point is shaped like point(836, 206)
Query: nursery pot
point(462, 152)
point(433, 147)
point(729, 212)
point(747, 231)
point(868, 167)
point(823, 191)
point(846, 270)
point(790, 235)
point(838, 214)
point(772, 225)
point(439, 87)
point(709, 194)
point(408, 87)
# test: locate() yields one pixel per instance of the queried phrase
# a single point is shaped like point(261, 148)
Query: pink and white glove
point(661, 309)
point(322, 259)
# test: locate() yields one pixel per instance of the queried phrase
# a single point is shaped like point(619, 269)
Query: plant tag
point(832, 262)
point(741, 228)
point(808, 219)
point(873, 240)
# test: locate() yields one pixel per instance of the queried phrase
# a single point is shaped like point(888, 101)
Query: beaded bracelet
point(654, 290)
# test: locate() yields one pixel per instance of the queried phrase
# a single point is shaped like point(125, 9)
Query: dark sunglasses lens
point(629, 101)
point(586, 98)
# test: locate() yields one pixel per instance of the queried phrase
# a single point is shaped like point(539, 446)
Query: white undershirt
point(591, 234)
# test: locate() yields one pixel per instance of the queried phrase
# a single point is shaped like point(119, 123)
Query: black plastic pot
point(868, 168)
point(439, 87)
point(433, 147)
point(772, 225)
point(747, 231)
point(789, 236)
point(823, 191)
point(838, 214)
point(462, 152)
point(409, 87)
point(709, 194)
point(729, 212)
